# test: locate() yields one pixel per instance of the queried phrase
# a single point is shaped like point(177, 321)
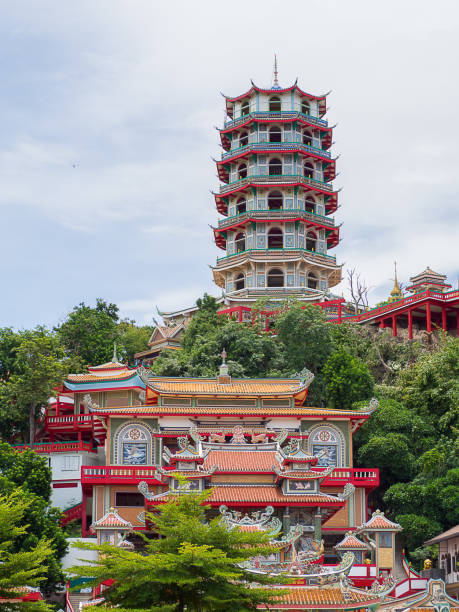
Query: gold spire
point(396, 289)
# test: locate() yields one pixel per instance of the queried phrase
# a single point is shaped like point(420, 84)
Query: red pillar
point(410, 324)
point(394, 325)
point(83, 515)
point(429, 318)
point(457, 322)
point(339, 311)
point(443, 319)
point(382, 325)
point(240, 314)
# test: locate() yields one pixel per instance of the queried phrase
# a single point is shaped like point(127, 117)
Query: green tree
point(38, 367)
point(132, 339)
point(90, 332)
point(28, 476)
point(19, 568)
point(190, 564)
point(347, 380)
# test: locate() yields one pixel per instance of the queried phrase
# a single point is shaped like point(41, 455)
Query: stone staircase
point(74, 599)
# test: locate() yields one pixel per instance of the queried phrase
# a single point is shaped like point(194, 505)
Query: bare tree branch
point(358, 289)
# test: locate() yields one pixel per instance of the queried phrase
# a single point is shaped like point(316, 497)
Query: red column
point(83, 515)
point(240, 314)
point(457, 321)
point(382, 325)
point(339, 311)
point(410, 324)
point(443, 318)
point(429, 318)
point(394, 325)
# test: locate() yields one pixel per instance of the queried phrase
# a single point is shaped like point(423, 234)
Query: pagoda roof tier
point(255, 495)
point(270, 181)
point(237, 461)
point(221, 201)
point(106, 368)
point(332, 233)
point(277, 147)
point(282, 215)
point(111, 520)
point(273, 92)
point(276, 117)
point(326, 598)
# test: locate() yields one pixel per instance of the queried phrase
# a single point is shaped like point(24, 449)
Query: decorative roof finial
point(115, 356)
point(224, 377)
point(396, 289)
point(224, 355)
point(276, 81)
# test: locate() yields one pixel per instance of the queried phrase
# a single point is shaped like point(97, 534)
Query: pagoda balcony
point(76, 422)
point(119, 474)
point(282, 147)
point(58, 447)
point(359, 477)
point(277, 255)
point(280, 115)
point(272, 215)
point(280, 179)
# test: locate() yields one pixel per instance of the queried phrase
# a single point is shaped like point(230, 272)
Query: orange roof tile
point(264, 494)
point(78, 378)
point(236, 410)
point(379, 521)
point(111, 520)
point(320, 597)
point(350, 541)
point(241, 460)
point(241, 386)
point(110, 365)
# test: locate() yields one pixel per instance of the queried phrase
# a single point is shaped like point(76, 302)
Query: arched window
point(311, 240)
point(239, 282)
point(134, 445)
point(275, 200)
point(308, 170)
point(327, 444)
point(243, 139)
point(312, 281)
point(242, 171)
point(275, 167)
point(274, 104)
point(275, 278)
point(305, 107)
point(307, 138)
point(275, 134)
point(240, 242)
point(310, 204)
point(241, 206)
point(275, 238)
point(245, 108)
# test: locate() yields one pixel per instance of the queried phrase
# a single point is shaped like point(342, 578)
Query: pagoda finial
point(396, 289)
point(224, 355)
point(276, 74)
point(115, 356)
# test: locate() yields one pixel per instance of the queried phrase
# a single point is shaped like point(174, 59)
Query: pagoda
point(276, 198)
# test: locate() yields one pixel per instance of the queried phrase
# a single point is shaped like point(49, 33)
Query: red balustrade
point(119, 474)
point(57, 447)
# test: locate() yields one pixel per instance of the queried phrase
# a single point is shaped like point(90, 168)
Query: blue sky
point(107, 112)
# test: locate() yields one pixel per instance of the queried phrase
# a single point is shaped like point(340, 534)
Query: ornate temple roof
point(269, 494)
point(245, 461)
point(317, 598)
point(351, 542)
point(111, 520)
point(378, 522)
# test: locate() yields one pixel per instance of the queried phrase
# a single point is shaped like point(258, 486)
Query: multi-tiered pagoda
point(276, 198)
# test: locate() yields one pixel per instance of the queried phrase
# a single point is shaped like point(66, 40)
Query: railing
point(120, 474)
point(277, 146)
point(357, 476)
point(277, 214)
point(293, 114)
point(276, 179)
point(389, 308)
point(279, 253)
point(72, 419)
point(57, 447)
point(70, 514)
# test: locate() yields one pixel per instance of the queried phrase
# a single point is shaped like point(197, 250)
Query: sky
point(107, 132)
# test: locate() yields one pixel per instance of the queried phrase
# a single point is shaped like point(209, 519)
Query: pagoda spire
point(395, 294)
point(276, 74)
point(115, 356)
